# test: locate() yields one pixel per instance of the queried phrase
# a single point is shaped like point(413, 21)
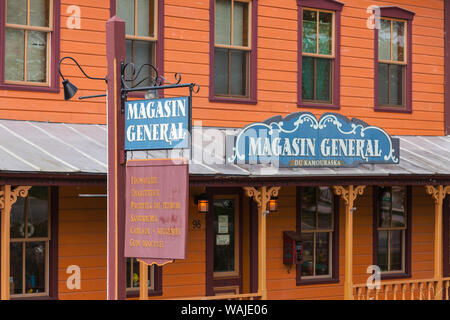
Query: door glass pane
point(398, 207)
point(396, 250)
point(224, 233)
point(398, 41)
point(37, 56)
point(383, 84)
point(325, 208)
point(308, 214)
point(238, 73)
point(322, 253)
point(396, 84)
point(223, 22)
point(308, 251)
point(38, 212)
point(384, 200)
point(39, 13)
point(17, 223)
point(145, 18)
point(15, 54)
point(307, 78)
point(323, 79)
point(16, 11)
point(384, 40)
point(383, 250)
point(325, 33)
point(309, 31)
point(16, 269)
point(240, 24)
point(35, 267)
point(125, 10)
point(221, 71)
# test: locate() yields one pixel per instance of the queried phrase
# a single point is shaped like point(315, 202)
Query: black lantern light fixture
point(202, 203)
point(272, 205)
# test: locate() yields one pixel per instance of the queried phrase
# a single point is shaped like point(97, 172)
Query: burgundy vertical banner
point(157, 205)
point(115, 52)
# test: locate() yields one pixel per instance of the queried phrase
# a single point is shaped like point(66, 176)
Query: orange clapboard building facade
point(383, 62)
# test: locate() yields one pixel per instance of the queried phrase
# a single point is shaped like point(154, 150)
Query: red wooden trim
point(54, 86)
point(253, 92)
point(446, 237)
point(408, 235)
point(53, 267)
point(398, 13)
point(253, 246)
point(447, 67)
point(336, 90)
point(335, 245)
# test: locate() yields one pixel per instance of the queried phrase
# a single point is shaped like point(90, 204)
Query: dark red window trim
point(335, 245)
point(397, 13)
point(54, 55)
point(446, 237)
point(336, 91)
point(159, 43)
point(407, 273)
point(252, 99)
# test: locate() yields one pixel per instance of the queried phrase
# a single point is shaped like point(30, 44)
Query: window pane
point(398, 41)
point(309, 31)
point(221, 71)
point(396, 83)
point(239, 73)
point(35, 267)
point(15, 55)
point(136, 274)
point(240, 24)
point(223, 22)
point(322, 253)
point(384, 40)
point(125, 10)
point(16, 11)
point(37, 56)
point(17, 229)
point(145, 19)
point(143, 53)
point(307, 78)
point(325, 33)
point(325, 208)
point(129, 272)
point(16, 269)
point(384, 201)
point(383, 250)
point(224, 244)
point(39, 13)
point(323, 80)
point(396, 250)
point(308, 251)
point(308, 214)
point(38, 212)
point(383, 84)
point(398, 207)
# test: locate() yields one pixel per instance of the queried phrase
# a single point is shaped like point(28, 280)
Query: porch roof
point(41, 147)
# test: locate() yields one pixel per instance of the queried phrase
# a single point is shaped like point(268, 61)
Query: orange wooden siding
point(82, 242)
point(187, 51)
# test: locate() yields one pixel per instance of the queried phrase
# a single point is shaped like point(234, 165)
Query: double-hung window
point(30, 31)
point(234, 57)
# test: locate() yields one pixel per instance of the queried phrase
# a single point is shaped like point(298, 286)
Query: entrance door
point(224, 245)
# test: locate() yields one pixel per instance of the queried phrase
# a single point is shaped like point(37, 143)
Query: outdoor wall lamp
point(202, 203)
point(69, 88)
point(272, 205)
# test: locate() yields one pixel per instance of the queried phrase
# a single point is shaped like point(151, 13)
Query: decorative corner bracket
point(438, 192)
point(262, 195)
point(349, 193)
point(21, 191)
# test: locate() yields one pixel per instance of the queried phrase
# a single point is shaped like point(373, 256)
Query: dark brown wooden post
point(115, 52)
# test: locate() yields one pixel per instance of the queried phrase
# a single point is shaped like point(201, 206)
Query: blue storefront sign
point(157, 124)
point(302, 140)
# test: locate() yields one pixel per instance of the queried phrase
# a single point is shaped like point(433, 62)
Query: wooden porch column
point(262, 196)
point(348, 194)
point(438, 193)
point(143, 280)
point(7, 198)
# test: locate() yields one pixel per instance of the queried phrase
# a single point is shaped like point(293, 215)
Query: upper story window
point(141, 18)
point(393, 55)
point(319, 54)
point(30, 45)
point(233, 74)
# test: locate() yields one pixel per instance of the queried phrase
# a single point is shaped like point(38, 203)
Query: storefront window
point(133, 275)
point(30, 238)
